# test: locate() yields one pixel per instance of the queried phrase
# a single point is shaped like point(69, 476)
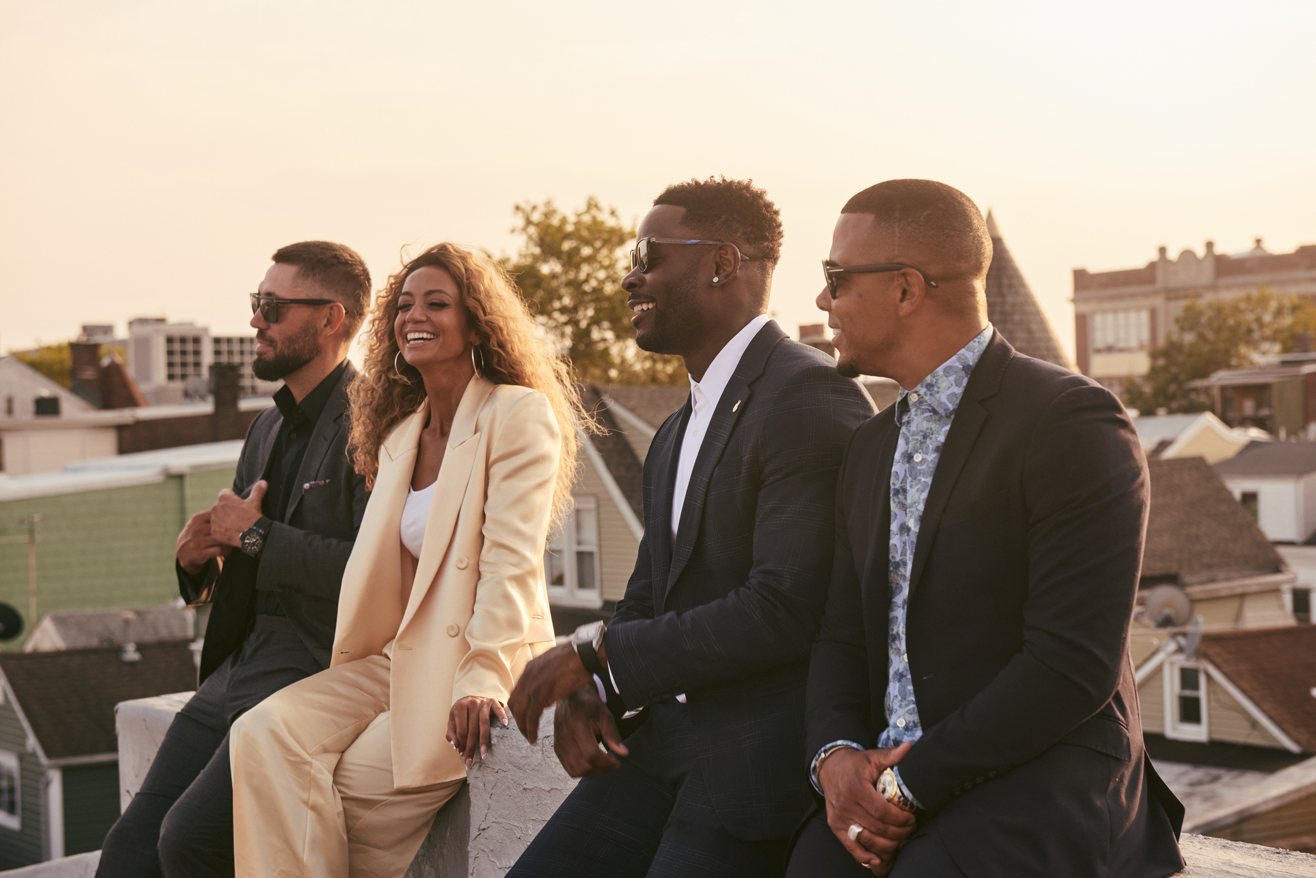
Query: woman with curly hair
point(465, 427)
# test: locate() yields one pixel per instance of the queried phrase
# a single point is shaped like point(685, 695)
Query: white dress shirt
point(704, 396)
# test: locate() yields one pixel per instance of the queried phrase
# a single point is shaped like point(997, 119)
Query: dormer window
point(1185, 701)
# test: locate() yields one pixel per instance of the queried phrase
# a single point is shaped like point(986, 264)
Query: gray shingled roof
point(1014, 311)
point(68, 696)
point(626, 469)
point(1271, 459)
point(650, 404)
point(74, 629)
point(1197, 532)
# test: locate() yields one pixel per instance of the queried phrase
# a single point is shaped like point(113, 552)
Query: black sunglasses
point(831, 270)
point(640, 255)
point(268, 306)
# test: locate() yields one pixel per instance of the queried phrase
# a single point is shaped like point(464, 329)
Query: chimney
point(1302, 343)
point(1210, 248)
point(226, 422)
point(1161, 253)
point(815, 336)
point(129, 651)
point(86, 373)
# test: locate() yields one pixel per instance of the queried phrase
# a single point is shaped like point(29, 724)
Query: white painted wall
point(1280, 507)
point(44, 451)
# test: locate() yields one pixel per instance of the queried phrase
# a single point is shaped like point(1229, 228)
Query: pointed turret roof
point(1012, 308)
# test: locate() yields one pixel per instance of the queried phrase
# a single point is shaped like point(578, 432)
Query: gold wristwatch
point(889, 789)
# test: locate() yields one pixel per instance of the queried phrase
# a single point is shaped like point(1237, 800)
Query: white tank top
point(415, 513)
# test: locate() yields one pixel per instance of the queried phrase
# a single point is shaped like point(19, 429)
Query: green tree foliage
point(52, 360)
point(1213, 335)
point(570, 268)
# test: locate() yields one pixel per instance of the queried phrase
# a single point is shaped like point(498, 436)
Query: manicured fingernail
point(484, 751)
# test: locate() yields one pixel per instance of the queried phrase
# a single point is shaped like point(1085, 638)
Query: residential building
point(1195, 435)
point(59, 764)
point(79, 629)
point(1276, 483)
point(103, 531)
point(1278, 395)
point(1119, 316)
point(171, 361)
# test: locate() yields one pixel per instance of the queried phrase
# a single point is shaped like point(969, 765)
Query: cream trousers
point(313, 788)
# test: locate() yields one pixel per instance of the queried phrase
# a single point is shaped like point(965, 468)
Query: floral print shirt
point(924, 415)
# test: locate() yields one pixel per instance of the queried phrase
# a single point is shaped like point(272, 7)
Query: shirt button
point(904, 657)
point(901, 722)
point(918, 457)
point(913, 397)
point(453, 629)
point(462, 563)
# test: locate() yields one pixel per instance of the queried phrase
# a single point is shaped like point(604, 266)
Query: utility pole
point(31, 539)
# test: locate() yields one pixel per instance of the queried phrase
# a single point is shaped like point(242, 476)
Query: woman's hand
point(469, 723)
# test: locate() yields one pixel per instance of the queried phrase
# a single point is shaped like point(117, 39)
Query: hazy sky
point(154, 154)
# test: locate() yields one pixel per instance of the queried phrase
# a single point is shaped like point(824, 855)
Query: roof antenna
point(129, 652)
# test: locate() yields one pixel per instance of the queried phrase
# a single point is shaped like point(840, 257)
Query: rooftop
point(1197, 532)
point(68, 697)
point(1271, 459)
point(1276, 667)
point(123, 470)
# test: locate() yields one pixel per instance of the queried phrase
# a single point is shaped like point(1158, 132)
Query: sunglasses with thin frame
point(831, 271)
point(640, 255)
point(269, 305)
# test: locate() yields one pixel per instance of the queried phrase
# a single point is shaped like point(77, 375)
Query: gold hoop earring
point(479, 367)
point(405, 379)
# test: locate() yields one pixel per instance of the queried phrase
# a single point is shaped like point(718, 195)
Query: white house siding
point(23, 846)
point(1151, 699)
point(1228, 721)
point(1279, 507)
point(43, 451)
point(617, 544)
point(1307, 505)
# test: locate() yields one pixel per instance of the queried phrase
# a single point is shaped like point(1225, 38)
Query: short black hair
point(930, 214)
point(334, 269)
point(730, 210)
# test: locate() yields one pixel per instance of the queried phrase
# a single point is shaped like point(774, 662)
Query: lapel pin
point(736, 406)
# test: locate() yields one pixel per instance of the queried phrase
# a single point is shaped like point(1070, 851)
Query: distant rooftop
point(1197, 532)
point(1271, 459)
point(123, 470)
point(1276, 668)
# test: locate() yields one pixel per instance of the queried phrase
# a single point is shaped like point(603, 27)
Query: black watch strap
point(585, 640)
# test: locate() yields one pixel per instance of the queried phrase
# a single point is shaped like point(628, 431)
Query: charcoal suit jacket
point(305, 553)
point(727, 612)
point(1022, 588)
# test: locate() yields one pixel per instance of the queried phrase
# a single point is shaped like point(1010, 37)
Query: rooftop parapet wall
point(1188, 270)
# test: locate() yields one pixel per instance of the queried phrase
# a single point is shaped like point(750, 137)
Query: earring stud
point(714, 280)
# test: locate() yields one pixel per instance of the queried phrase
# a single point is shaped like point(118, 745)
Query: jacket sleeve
point(524, 453)
point(1085, 494)
point(837, 699)
point(196, 588)
point(771, 619)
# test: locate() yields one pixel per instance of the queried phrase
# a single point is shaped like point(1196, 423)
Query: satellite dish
point(11, 624)
point(1168, 606)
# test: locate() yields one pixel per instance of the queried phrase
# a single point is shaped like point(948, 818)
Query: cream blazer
point(477, 609)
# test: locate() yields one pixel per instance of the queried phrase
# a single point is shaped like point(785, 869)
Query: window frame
point(569, 594)
point(1176, 729)
point(10, 760)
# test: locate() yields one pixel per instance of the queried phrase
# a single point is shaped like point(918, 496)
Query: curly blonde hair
point(507, 346)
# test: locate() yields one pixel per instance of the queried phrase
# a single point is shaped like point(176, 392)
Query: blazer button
point(462, 562)
point(453, 629)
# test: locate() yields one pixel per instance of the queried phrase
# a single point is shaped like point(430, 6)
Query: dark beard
point(675, 318)
point(289, 356)
point(847, 370)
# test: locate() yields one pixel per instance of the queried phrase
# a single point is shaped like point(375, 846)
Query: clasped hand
point(217, 531)
point(849, 781)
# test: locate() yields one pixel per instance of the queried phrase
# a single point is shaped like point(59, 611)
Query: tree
point(569, 269)
point(52, 360)
point(1218, 334)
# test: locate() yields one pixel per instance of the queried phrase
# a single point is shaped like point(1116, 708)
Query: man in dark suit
point(269, 556)
point(971, 702)
point(710, 645)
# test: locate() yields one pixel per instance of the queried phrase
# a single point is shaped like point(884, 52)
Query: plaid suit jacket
point(728, 611)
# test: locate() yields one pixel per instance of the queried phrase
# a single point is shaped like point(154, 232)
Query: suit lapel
point(964, 429)
point(668, 457)
point(732, 404)
point(322, 437)
point(449, 489)
point(877, 561)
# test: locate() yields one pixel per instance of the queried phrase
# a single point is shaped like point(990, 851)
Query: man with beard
point(269, 556)
point(709, 648)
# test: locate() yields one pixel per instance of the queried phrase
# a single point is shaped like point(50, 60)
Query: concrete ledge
point(513, 792)
point(76, 866)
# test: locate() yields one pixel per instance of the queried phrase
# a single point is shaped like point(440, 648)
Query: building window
point(571, 557)
point(1249, 501)
point(10, 815)
point(1121, 331)
point(1185, 697)
point(1302, 605)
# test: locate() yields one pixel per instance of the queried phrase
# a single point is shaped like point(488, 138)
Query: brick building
point(1119, 316)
